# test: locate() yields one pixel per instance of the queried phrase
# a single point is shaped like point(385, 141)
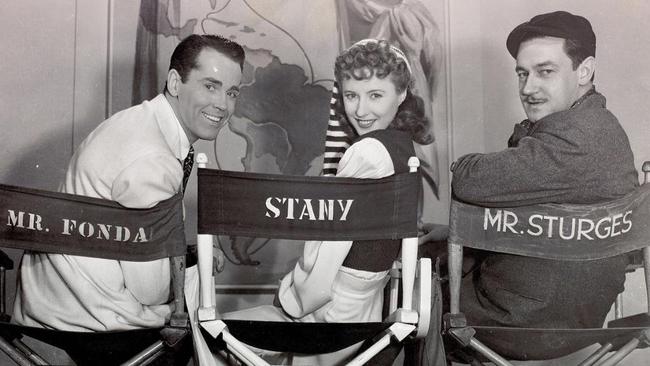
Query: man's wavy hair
point(376, 58)
point(185, 56)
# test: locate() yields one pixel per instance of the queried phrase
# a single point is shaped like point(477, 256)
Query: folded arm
point(545, 167)
point(143, 184)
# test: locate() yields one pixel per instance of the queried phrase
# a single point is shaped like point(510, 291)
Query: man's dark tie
point(187, 166)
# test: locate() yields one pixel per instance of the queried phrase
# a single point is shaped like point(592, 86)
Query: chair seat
point(308, 338)
point(89, 348)
point(334, 209)
point(506, 230)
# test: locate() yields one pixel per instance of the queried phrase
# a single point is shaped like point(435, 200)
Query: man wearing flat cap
point(570, 149)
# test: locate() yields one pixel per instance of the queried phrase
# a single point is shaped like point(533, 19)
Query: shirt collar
point(171, 127)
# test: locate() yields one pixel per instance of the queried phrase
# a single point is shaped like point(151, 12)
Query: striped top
point(336, 140)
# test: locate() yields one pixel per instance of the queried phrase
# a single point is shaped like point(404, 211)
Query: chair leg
point(594, 357)
point(619, 355)
point(3, 293)
point(243, 353)
point(646, 273)
point(14, 354)
point(487, 352)
point(363, 358)
point(145, 354)
point(28, 352)
point(399, 331)
point(618, 306)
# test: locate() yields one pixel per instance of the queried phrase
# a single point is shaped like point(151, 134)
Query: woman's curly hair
point(376, 58)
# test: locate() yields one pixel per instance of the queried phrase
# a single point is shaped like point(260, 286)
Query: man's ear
point(173, 82)
point(586, 70)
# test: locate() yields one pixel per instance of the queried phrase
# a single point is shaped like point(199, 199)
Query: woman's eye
point(233, 94)
point(210, 87)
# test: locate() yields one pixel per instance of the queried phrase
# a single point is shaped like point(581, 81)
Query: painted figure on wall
point(408, 25)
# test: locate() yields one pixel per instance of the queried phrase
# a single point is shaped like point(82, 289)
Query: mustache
point(532, 100)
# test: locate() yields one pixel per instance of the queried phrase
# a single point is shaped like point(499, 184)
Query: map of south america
point(280, 120)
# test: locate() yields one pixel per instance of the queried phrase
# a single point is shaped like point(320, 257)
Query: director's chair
point(37, 220)
point(474, 227)
point(236, 203)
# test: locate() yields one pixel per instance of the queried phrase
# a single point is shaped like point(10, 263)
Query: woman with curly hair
point(375, 61)
point(344, 281)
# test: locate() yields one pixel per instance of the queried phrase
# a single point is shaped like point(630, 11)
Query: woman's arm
point(308, 286)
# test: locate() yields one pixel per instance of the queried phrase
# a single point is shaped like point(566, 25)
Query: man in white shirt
point(135, 158)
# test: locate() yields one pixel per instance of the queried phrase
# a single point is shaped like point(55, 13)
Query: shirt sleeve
point(367, 158)
point(147, 181)
point(308, 286)
point(143, 184)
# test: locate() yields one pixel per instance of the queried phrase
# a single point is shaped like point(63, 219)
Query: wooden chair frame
point(456, 325)
point(409, 318)
point(170, 336)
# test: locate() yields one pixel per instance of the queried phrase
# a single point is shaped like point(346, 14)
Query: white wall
point(36, 96)
point(485, 104)
point(52, 91)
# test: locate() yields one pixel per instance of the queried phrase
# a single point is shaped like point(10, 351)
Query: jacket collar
point(591, 98)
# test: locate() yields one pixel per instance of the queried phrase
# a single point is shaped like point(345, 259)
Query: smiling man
point(570, 149)
point(203, 93)
point(138, 157)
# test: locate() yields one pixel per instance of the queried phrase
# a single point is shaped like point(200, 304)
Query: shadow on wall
point(43, 163)
point(42, 166)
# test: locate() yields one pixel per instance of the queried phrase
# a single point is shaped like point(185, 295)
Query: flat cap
point(559, 24)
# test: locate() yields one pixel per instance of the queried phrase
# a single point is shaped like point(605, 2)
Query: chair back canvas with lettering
point(566, 232)
point(313, 208)
point(52, 222)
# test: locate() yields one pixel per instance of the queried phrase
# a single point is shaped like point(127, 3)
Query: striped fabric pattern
point(336, 140)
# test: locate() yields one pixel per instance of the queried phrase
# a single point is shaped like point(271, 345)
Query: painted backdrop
point(281, 116)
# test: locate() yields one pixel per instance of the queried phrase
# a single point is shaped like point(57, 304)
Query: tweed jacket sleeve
point(581, 155)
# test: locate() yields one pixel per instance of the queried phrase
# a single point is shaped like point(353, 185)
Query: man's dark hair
point(185, 55)
point(574, 48)
point(576, 51)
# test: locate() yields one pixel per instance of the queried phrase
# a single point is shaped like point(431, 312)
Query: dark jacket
point(378, 255)
point(581, 155)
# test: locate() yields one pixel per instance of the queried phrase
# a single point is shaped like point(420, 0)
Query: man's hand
point(219, 262)
point(432, 232)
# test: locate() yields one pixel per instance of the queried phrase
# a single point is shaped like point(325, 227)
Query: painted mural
point(281, 116)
